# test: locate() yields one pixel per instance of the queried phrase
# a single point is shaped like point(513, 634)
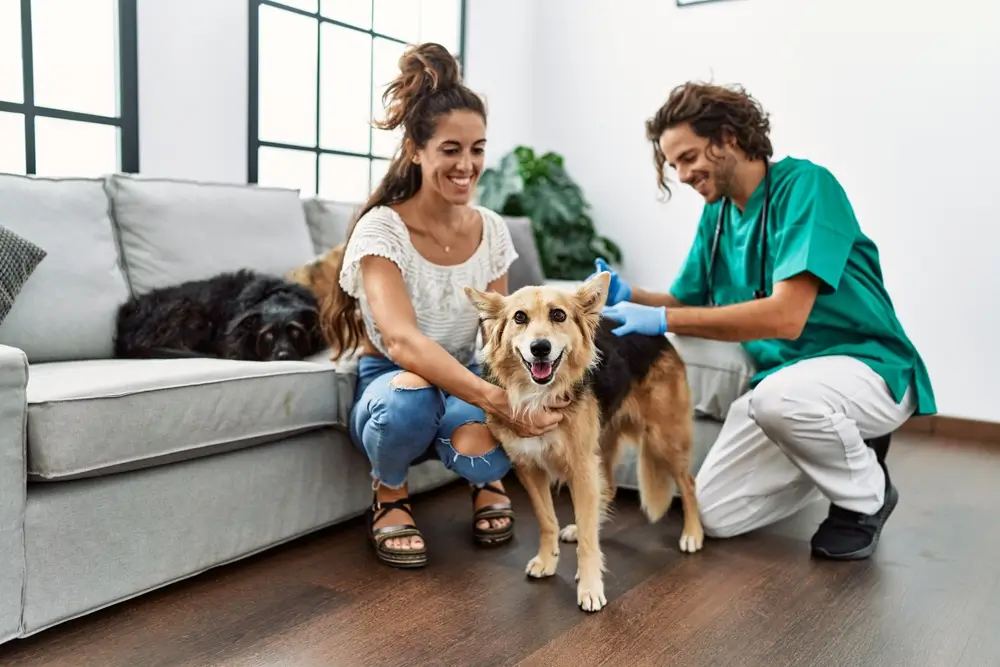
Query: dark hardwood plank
point(930, 597)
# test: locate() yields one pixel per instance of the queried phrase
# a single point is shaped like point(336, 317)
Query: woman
point(415, 245)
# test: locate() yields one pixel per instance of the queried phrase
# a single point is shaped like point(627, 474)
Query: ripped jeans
point(396, 427)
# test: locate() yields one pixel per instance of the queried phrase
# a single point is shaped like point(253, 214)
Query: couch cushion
point(88, 418)
point(718, 373)
point(527, 268)
point(172, 231)
point(66, 308)
point(328, 221)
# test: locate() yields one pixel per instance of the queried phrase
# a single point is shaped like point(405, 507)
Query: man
point(807, 302)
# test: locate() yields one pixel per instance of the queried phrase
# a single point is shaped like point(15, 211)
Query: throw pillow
point(19, 258)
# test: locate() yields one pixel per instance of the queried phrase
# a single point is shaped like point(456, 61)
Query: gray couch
point(121, 476)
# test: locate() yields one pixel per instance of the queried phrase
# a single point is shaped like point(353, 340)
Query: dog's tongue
point(541, 369)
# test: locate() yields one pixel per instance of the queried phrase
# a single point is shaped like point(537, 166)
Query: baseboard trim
point(958, 428)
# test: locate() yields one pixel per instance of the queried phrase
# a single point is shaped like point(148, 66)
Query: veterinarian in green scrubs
point(780, 264)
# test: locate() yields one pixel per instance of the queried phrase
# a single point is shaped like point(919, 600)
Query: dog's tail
point(656, 482)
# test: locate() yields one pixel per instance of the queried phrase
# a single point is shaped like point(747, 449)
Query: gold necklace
point(446, 248)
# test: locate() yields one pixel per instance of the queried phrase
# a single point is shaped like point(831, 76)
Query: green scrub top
point(811, 227)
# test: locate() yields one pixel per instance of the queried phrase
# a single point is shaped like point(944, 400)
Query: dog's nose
point(283, 354)
point(540, 347)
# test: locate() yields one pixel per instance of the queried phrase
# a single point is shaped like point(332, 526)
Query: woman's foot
point(493, 516)
point(396, 517)
point(391, 528)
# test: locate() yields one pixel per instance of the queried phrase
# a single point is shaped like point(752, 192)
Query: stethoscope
point(761, 291)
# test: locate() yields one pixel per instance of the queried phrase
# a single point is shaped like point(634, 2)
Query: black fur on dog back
point(625, 360)
point(241, 315)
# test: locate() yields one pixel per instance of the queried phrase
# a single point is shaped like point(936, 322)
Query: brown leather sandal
point(490, 537)
point(404, 558)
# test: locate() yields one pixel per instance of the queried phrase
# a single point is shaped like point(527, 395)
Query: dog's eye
point(520, 317)
point(557, 315)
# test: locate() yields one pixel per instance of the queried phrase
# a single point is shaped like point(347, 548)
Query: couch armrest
point(13, 490)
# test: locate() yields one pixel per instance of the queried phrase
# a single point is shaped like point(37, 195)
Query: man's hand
point(618, 289)
point(636, 318)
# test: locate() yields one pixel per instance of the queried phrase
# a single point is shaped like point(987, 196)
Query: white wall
point(193, 89)
point(899, 98)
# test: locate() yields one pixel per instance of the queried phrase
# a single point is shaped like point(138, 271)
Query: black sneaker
point(848, 535)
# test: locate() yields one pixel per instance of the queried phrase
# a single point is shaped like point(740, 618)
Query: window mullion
point(28, 79)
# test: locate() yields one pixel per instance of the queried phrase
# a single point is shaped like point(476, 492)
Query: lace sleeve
point(376, 234)
point(502, 251)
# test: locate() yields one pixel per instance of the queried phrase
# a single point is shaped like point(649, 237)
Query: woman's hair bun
point(423, 69)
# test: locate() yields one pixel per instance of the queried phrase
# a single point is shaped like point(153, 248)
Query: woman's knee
point(408, 412)
point(474, 454)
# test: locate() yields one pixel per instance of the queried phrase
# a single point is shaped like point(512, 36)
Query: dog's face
point(541, 335)
point(283, 325)
point(284, 330)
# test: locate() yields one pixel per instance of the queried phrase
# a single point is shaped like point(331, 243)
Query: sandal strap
point(380, 509)
point(476, 490)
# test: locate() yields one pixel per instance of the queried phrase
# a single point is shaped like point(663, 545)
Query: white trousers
point(796, 438)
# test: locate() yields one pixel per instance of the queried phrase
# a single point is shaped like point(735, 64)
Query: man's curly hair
point(713, 111)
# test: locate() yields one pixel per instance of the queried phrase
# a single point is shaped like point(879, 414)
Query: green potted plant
point(539, 188)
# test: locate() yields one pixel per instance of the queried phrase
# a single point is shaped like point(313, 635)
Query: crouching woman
point(415, 245)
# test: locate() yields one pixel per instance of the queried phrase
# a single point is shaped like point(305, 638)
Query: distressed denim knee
point(394, 426)
point(489, 466)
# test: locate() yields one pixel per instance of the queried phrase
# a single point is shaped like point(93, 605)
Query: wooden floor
point(930, 596)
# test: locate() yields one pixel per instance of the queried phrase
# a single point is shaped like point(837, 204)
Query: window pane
point(343, 178)
point(12, 140)
point(344, 88)
point(440, 21)
point(386, 68)
point(379, 169)
point(399, 19)
point(287, 77)
point(74, 45)
point(11, 84)
point(286, 168)
point(305, 5)
point(353, 12)
point(73, 148)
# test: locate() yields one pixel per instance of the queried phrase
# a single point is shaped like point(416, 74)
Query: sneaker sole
point(861, 554)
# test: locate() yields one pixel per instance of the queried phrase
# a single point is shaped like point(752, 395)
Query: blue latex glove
point(636, 318)
point(618, 289)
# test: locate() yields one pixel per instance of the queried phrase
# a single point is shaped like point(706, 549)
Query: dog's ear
point(240, 339)
point(489, 304)
point(593, 294)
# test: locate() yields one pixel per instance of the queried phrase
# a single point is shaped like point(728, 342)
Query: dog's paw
point(568, 534)
point(541, 566)
point(692, 541)
point(590, 596)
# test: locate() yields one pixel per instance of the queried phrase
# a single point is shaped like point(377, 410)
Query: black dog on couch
point(241, 315)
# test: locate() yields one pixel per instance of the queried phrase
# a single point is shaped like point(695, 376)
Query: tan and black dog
point(543, 344)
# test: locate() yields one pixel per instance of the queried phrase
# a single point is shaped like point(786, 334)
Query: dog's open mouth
point(542, 371)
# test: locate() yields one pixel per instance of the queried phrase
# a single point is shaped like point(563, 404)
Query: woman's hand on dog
point(528, 424)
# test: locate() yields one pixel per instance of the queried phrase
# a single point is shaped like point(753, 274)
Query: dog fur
point(241, 315)
point(319, 276)
point(630, 388)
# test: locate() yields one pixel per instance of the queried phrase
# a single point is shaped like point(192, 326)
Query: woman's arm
point(412, 350)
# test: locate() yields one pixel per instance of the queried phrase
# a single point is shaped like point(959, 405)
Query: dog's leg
point(536, 483)
point(585, 485)
point(660, 454)
point(609, 445)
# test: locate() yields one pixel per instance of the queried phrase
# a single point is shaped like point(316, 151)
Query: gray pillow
point(19, 258)
point(527, 268)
